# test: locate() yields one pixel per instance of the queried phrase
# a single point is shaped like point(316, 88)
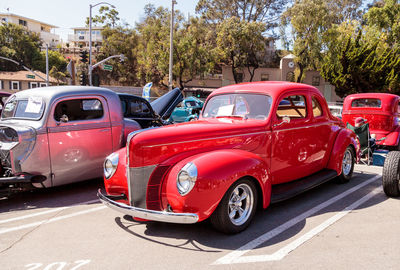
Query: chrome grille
point(138, 180)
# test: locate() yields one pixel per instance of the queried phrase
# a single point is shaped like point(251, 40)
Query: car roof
point(53, 92)
point(272, 88)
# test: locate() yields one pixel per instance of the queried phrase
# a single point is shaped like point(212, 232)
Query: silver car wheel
point(347, 162)
point(240, 204)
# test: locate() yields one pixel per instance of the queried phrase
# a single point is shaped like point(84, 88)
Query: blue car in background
point(188, 110)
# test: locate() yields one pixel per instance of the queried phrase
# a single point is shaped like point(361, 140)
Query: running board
point(288, 190)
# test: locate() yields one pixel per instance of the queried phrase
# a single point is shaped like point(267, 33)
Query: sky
point(73, 13)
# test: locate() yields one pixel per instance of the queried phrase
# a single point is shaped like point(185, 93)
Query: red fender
point(217, 171)
point(345, 138)
point(117, 184)
point(392, 139)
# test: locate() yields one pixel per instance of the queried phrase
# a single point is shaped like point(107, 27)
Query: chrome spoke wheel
point(240, 204)
point(347, 162)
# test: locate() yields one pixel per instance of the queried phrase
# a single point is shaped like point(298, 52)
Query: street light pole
point(47, 64)
point(90, 37)
point(171, 46)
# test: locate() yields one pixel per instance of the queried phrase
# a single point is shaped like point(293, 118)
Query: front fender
point(345, 138)
point(217, 171)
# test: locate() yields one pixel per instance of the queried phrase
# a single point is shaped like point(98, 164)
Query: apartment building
point(43, 29)
point(80, 38)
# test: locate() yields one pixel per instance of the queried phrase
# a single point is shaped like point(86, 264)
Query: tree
point(310, 22)
point(107, 18)
point(266, 11)
point(119, 40)
point(239, 44)
point(19, 44)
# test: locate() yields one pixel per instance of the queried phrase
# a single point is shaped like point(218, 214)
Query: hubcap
point(347, 162)
point(240, 204)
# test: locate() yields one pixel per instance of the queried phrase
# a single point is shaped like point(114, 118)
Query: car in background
point(381, 111)
point(149, 114)
point(254, 144)
point(336, 110)
point(188, 110)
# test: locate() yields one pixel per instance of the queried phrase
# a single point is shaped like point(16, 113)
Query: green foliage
point(239, 44)
point(119, 40)
point(266, 11)
point(365, 58)
point(107, 18)
point(19, 44)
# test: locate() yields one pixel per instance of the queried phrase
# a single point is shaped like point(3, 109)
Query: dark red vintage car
point(254, 144)
point(382, 114)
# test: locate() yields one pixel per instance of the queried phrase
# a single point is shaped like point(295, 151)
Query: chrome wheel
point(347, 162)
point(240, 204)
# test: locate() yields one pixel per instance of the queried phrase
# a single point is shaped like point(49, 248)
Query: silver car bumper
point(170, 217)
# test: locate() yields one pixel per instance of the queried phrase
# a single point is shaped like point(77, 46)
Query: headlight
point(186, 179)
point(110, 165)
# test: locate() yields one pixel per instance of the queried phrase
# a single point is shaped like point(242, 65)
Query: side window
point(316, 106)
point(78, 109)
point(293, 107)
point(139, 109)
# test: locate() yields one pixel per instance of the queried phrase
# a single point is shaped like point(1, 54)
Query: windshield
point(31, 108)
point(250, 106)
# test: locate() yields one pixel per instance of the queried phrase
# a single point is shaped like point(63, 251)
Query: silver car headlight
point(186, 179)
point(110, 165)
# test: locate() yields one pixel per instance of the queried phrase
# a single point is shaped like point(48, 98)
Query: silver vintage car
point(58, 135)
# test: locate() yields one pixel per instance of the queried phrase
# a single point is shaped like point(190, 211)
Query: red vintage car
point(254, 144)
point(382, 114)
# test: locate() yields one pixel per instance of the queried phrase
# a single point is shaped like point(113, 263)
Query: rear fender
point(391, 139)
point(217, 171)
point(345, 138)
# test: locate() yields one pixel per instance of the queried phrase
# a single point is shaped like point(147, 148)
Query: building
point(13, 81)
point(43, 29)
point(80, 38)
point(284, 73)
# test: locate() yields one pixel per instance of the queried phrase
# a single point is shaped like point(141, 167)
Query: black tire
point(391, 174)
point(347, 166)
point(227, 217)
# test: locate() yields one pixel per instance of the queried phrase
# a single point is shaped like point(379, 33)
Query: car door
point(293, 146)
point(79, 134)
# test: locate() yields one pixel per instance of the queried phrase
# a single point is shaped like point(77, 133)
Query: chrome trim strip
point(79, 126)
point(302, 127)
point(170, 217)
point(207, 139)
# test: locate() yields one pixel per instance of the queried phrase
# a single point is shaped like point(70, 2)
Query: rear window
point(366, 103)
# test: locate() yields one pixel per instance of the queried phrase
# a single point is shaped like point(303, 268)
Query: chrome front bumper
point(170, 217)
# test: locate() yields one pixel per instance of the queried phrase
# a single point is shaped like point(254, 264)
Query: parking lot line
point(34, 224)
point(235, 256)
point(45, 212)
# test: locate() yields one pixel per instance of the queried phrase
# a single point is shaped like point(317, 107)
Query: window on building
point(239, 77)
point(43, 85)
point(4, 19)
point(316, 80)
point(23, 22)
point(1, 85)
point(290, 76)
point(42, 28)
point(264, 77)
point(33, 85)
point(15, 85)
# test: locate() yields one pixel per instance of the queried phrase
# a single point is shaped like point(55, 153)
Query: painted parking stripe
point(234, 256)
point(45, 212)
point(34, 224)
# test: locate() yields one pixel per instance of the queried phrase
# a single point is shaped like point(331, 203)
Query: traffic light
point(83, 56)
point(82, 79)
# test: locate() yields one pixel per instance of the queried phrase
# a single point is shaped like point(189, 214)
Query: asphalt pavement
point(349, 226)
